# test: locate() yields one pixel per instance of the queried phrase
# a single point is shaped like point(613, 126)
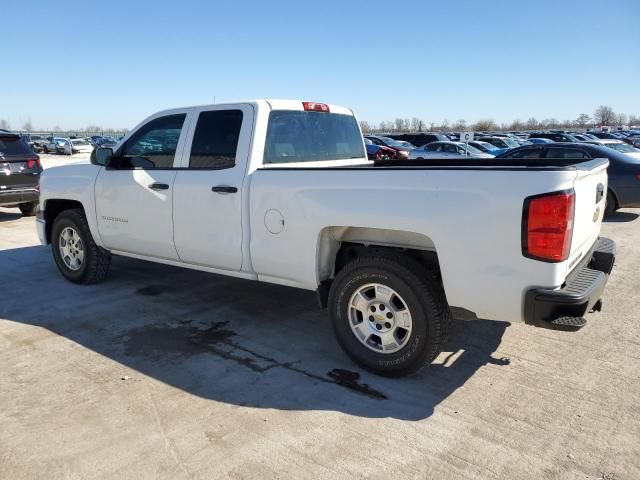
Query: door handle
point(159, 186)
point(224, 189)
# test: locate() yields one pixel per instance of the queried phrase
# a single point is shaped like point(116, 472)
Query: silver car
point(447, 149)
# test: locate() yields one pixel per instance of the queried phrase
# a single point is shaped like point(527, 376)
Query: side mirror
point(101, 156)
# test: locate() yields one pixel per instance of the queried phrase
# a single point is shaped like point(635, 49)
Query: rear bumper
point(17, 196)
point(581, 292)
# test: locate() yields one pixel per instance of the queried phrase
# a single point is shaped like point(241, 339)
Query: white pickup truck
point(282, 192)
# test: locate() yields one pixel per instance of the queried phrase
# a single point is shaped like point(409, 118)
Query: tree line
point(603, 115)
point(28, 127)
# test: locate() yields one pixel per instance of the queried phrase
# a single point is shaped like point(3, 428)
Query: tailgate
point(14, 173)
point(590, 186)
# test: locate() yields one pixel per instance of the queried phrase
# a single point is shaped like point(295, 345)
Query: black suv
point(624, 171)
point(419, 139)
point(20, 171)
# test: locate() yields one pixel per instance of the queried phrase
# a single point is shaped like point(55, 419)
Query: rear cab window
point(308, 136)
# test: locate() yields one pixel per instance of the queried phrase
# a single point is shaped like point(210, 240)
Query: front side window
point(215, 140)
point(301, 136)
point(153, 145)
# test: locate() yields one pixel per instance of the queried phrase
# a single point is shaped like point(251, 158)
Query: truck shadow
point(230, 340)
point(621, 217)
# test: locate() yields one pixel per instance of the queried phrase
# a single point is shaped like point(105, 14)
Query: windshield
point(296, 136)
point(391, 142)
point(79, 142)
point(510, 143)
point(488, 146)
point(473, 150)
point(623, 147)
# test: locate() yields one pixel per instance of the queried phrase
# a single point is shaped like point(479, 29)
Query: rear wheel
point(389, 314)
point(77, 256)
point(28, 209)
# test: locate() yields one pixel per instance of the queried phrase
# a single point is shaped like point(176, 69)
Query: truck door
point(207, 196)
point(133, 193)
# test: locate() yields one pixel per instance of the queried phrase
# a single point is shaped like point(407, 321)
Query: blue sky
point(72, 64)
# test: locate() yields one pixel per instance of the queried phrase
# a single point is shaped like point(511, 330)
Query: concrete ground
point(166, 373)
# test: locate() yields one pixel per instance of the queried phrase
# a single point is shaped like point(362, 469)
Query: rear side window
point(296, 136)
point(153, 145)
point(567, 153)
point(525, 153)
point(215, 140)
point(13, 146)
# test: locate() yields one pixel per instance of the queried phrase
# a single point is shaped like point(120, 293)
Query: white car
point(281, 191)
point(619, 146)
point(446, 150)
point(76, 145)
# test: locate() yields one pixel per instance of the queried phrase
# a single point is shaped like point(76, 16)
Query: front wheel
point(389, 314)
point(77, 256)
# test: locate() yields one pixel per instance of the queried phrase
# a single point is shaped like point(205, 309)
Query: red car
point(379, 152)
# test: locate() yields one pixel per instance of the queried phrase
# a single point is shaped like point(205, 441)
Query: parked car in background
point(624, 171)
point(105, 142)
point(76, 145)
point(447, 149)
point(401, 150)
point(618, 146)
point(503, 143)
point(536, 140)
point(20, 171)
point(53, 145)
point(419, 139)
point(34, 141)
point(378, 152)
point(555, 136)
point(405, 144)
point(604, 135)
point(486, 147)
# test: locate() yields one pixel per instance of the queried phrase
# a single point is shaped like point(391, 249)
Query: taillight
point(637, 176)
point(33, 162)
point(378, 154)
point(547, 226)
point(315, 107)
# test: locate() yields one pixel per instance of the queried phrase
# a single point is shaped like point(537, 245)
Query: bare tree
point(365, 126)
point(621, 119)
point(532, 123)
point(634, 120)
point(445, 125)
point(28, 126)
point(604, 115)
point(583, 120)
point(516, 125)
point(460, 125)
point(416, 124)
point(484, 125)
point(5, 125)
point(398, 123)
point(406, 125)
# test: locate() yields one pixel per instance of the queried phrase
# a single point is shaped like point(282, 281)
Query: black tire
point(611, 205)
point(424, 297)
point(420, 159)
point(44, 149)
point(28, 209)
point(95, 265)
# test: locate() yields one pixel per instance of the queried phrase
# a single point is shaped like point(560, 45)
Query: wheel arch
point(337, 246)
point(53, 207)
